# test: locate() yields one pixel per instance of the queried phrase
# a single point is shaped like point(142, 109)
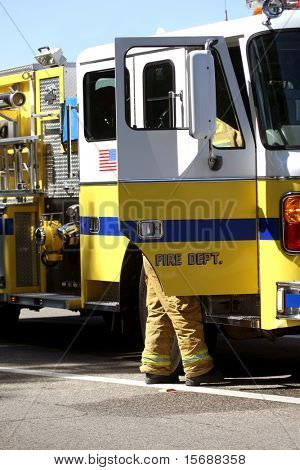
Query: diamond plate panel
point(30, 68)
point(55, 160)
point(27, 272)
point(70, 80)
point(49, 94)
point(56, 165)
point(21, 69)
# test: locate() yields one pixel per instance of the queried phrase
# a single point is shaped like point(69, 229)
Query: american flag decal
point(108, 160)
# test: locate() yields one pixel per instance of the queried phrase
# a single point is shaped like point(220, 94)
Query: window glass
point(228, 134)
point(237, 62)
point(100, 105)
point(159, 79)
point(274, 62)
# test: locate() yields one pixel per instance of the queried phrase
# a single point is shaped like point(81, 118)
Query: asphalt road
point(68, 386)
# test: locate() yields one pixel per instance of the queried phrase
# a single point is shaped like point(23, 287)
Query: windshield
point(274, 64)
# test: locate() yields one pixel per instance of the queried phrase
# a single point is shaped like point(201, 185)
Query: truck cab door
point(196, 225)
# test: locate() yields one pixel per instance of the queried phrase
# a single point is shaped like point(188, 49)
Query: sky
point(74, 25)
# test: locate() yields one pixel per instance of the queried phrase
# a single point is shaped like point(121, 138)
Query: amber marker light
point(291, 223)
point(292, 209)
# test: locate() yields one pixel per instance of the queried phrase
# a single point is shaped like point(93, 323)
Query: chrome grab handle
point(172, 108)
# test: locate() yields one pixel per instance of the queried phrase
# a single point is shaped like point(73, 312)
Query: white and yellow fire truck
point(188, 153)
point(39, 185)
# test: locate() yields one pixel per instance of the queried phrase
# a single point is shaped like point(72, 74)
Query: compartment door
point(197, 227)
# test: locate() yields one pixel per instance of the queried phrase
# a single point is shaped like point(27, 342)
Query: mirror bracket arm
point(215, 162)
point(210, 44)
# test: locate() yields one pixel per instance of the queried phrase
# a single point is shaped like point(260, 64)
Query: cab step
point(103, 305)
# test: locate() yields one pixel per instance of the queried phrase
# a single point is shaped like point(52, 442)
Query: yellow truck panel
point(209, 244)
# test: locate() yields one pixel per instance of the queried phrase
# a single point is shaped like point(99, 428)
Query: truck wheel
point(9, 316)
point(143, 313)
point(211, 336)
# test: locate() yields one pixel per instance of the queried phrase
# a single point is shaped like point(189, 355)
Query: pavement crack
point(38, 418)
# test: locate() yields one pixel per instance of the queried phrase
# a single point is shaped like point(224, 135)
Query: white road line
point(140, 383)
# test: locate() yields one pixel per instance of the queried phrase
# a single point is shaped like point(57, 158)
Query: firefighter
point(165, 315)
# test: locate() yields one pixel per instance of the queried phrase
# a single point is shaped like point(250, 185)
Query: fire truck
point(39, 185)
point(188, 154)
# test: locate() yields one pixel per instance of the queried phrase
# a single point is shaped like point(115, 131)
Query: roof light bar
point(255, 6)
point(292, 4)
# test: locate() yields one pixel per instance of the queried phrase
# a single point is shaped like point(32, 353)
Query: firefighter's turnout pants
point(168, 314)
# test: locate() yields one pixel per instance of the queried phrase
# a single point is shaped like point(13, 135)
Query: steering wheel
point(161, 123)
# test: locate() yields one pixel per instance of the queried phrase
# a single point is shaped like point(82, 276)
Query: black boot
point(213, 376)
point(152, 379)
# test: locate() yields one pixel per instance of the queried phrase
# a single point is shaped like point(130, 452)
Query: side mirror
point(202, 94)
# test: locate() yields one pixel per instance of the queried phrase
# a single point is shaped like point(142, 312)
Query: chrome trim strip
point(280, 178)
point(172, 180)
point(97, 183)
point(250, 322)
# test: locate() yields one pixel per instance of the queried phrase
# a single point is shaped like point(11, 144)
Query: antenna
point(226, 11)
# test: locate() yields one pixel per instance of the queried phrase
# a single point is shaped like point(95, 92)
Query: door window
point(159, 80)
point(100, 104)
point(228, 133)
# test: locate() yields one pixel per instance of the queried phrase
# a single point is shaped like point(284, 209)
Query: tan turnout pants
point(167, 315)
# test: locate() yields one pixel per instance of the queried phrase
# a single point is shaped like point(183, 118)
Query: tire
point(143, 313)
point(211, 337)
point(9, 316)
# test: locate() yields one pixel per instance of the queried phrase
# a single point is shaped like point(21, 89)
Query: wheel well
point(129, 287)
